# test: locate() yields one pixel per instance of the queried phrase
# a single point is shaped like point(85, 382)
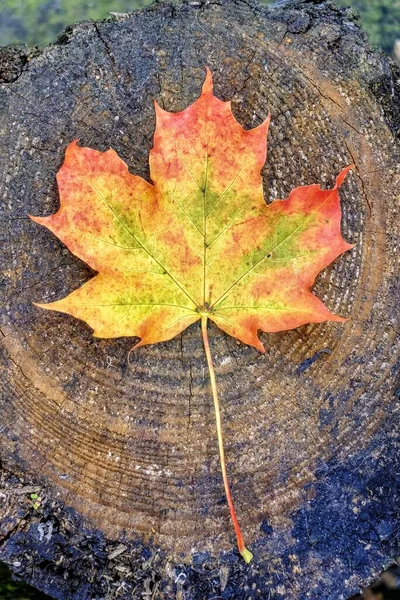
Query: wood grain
point(130, 445)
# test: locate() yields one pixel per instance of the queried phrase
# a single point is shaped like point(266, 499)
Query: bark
point(123, 457)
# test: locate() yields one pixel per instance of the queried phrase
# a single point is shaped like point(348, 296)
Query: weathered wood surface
point(128, 454)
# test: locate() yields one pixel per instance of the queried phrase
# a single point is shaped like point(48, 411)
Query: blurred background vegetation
point(12, 590)
point(379, 18)
point(38, 22)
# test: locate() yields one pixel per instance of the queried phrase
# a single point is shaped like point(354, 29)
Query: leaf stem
point(246, 554)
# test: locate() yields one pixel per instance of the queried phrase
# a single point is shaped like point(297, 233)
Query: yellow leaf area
point(199, 240)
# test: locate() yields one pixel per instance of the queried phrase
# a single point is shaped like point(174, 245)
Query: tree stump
point(123, 457)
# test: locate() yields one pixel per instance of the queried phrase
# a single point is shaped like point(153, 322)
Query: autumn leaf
point(197, 243)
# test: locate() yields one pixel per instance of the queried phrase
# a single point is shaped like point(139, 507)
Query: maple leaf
point(197, 243)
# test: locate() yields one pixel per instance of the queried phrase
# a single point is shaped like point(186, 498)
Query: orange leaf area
point(199, 240)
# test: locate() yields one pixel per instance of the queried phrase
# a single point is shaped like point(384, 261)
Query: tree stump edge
point(285, 520)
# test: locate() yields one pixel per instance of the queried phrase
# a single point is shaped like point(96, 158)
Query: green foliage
point(15, 590)
point(379, 18)
point(38, 22)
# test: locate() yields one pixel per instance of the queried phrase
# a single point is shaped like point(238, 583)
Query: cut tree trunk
point(123, 455)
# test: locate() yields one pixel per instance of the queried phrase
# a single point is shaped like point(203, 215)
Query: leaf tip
point(267, 121)
point(343, 174)
point(264, 126)
point(140, 343)
point(38, 220)
point(41, 305)
point(208, 83)
point(72, 146)
point(258, 345)
point(161, 115)
point(338, 319)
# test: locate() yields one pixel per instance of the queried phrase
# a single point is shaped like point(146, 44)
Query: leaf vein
point(138, 241)
point(265, 257)
point(227, 189)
